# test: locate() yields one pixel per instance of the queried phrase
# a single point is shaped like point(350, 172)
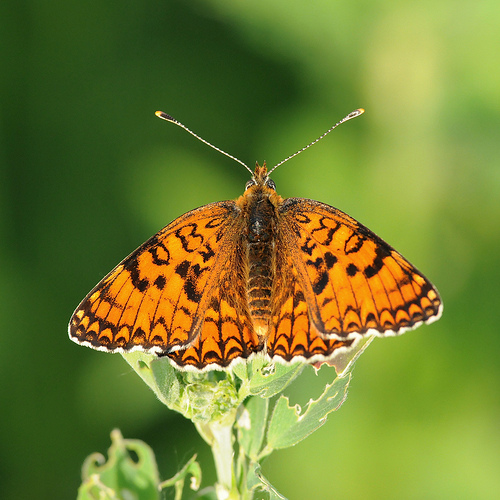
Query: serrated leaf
point(344, 360)
point(122, 475)
point(289, 424)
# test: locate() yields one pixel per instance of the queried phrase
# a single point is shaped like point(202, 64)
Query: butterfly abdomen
point(259, 239)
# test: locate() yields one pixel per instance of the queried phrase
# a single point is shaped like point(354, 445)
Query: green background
point(88, 173)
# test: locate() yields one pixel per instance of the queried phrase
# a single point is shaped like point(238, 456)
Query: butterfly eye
point(249, 184)
point(271, 184)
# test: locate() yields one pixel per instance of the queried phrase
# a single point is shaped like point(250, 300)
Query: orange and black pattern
point(294, 279)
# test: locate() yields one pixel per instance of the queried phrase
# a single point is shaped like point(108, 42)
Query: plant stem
point(222, 449)
point(219, 435)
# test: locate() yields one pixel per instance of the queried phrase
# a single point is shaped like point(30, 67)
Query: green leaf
point(201, 397)
point(289, 425)
point(123, 476)
point(158, 373)
point(265, 378)
point(251, 424)
point(344, 360)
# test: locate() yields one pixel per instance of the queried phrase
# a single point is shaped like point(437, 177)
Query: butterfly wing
point(158, 298)
point(352, 281)
point(292, 335)
point(227, 333)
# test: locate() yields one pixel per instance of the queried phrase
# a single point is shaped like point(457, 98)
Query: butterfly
point(292, 279)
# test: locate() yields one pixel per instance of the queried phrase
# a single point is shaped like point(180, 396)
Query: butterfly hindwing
point(292, 334)
point(227, 332)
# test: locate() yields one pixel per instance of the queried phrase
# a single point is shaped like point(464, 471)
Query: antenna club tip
point(355, 113)
point(164, 116)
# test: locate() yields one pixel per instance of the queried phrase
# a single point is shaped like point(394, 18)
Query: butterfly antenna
point(168, 118)
point(355, 113)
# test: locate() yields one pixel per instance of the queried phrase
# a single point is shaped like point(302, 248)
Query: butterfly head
point(260, 178)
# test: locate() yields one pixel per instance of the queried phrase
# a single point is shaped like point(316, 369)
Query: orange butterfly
point(291, 278)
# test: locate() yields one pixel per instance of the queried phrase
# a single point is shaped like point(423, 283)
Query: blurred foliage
point(129, 472)
point(87, 173)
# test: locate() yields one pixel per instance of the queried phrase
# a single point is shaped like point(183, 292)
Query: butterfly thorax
point(259, 206)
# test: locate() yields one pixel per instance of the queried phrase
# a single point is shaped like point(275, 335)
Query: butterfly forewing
point(354, 283)
point(156, 299)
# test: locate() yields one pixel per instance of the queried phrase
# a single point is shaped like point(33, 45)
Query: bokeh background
point(88, 173)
